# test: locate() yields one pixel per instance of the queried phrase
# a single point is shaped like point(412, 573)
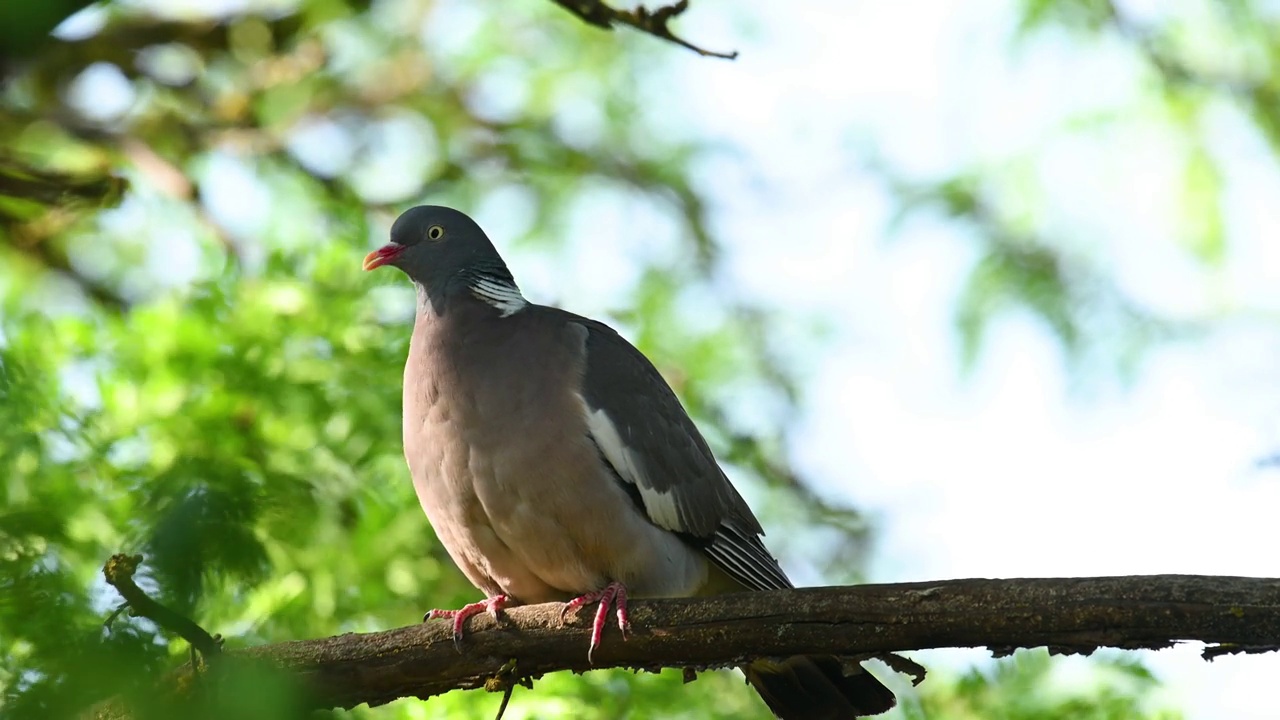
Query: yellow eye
point(435, 232)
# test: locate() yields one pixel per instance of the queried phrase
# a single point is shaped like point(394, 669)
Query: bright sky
point(1014, 471)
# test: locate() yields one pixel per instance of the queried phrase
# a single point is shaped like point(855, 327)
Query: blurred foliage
point(1207, 72)
point(222, 394)
point(1019, 270)
point(193, 366)
point(1030, 686)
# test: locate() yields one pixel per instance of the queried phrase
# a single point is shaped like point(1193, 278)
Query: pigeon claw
point(493, 606)
point(612, 595)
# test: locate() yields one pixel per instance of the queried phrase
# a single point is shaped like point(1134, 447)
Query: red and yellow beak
point(382, 256)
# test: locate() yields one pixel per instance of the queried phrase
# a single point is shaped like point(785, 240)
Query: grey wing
point(654, 449)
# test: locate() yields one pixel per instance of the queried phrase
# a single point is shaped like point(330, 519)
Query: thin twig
point(115, 614)
point(507, 679)
point(506, 698)
point(653, 22)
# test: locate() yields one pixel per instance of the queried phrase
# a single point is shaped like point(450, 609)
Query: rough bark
point(1232, 614)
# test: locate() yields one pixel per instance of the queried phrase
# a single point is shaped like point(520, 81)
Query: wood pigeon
point(556, 464)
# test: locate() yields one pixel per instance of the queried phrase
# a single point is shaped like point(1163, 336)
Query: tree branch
point(119, 572)
point(653, 22)
point(1071, 615)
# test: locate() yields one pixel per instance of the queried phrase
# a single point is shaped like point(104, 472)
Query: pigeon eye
point(435, 232)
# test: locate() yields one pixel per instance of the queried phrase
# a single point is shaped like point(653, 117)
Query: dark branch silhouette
point(653, 22)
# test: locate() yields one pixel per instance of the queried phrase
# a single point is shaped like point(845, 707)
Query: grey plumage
point(525, 508)
point(552, 459)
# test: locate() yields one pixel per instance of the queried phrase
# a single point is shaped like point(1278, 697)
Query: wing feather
point(652, 446)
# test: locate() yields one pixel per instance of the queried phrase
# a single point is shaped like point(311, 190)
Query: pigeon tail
point(815, 687)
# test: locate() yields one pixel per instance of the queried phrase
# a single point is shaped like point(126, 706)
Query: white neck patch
point(503, 296)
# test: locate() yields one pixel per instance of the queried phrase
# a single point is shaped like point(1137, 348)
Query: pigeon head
point(446, 254)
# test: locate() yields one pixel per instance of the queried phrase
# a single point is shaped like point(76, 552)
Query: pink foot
point(492, 605)
point(614, 594)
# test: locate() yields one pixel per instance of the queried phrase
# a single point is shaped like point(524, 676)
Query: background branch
point(653, 22)
point(1071, 615)
point(119, 572)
